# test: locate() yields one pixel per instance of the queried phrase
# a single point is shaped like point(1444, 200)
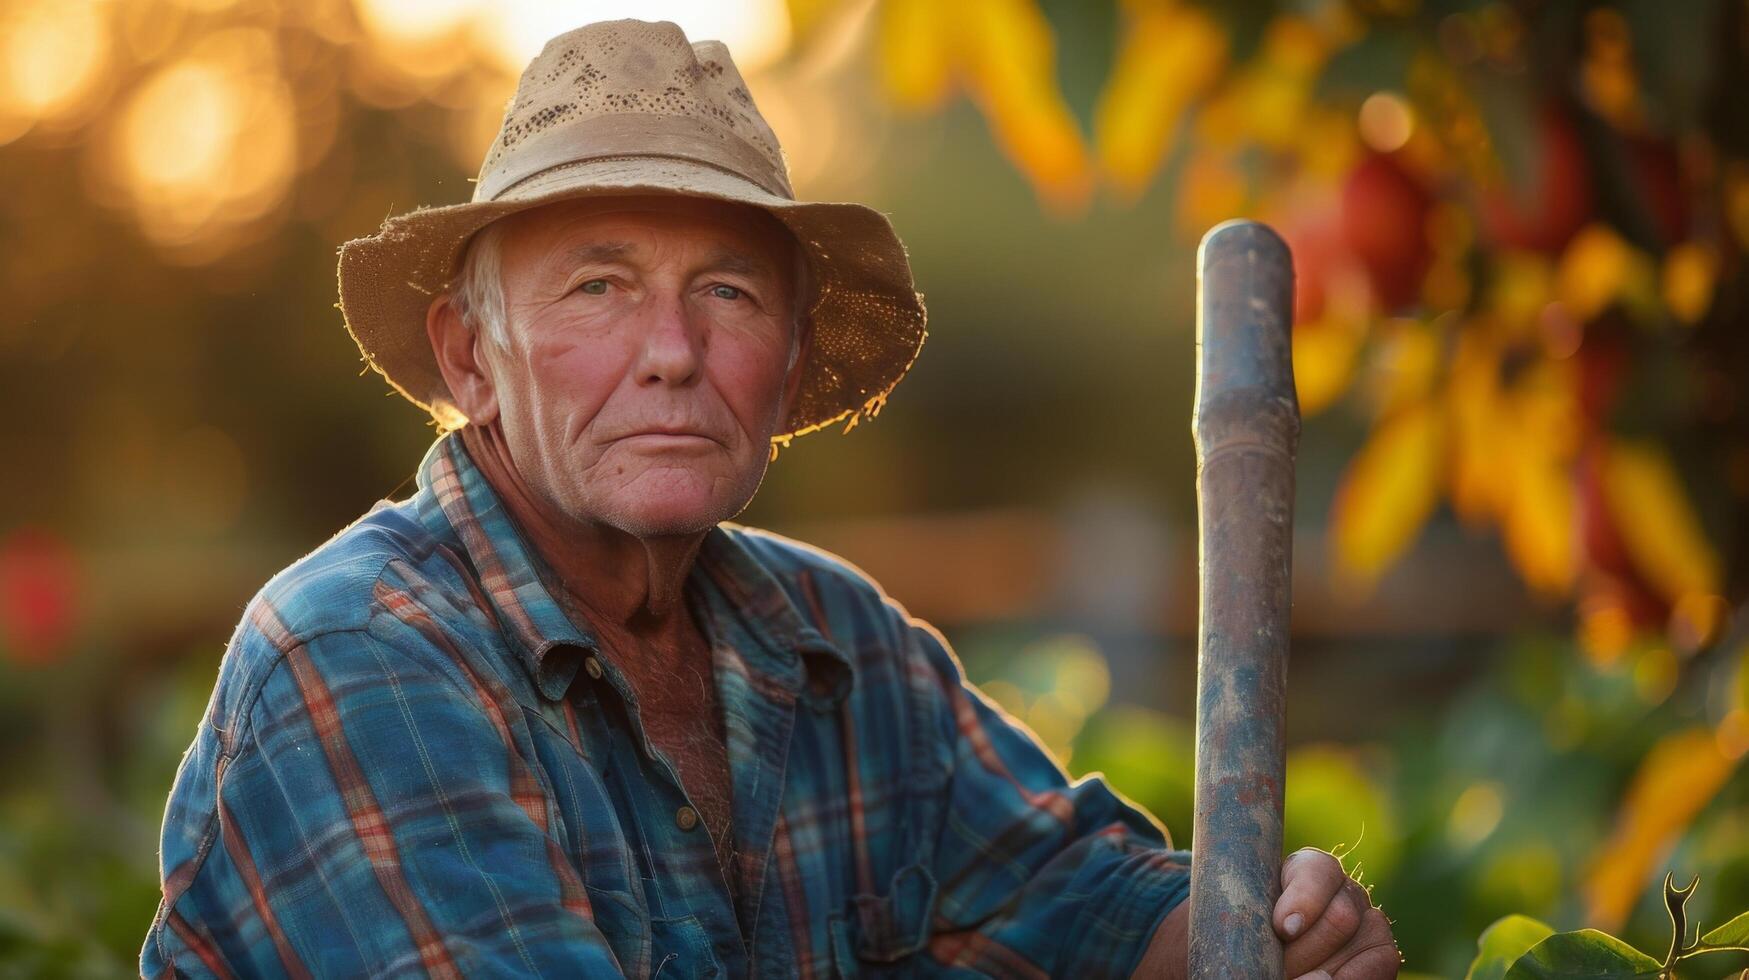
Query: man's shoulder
point(334, 589)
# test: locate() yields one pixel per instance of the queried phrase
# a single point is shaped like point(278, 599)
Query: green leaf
point(1732, 935)
point(1502, 943)
point(1583, 955)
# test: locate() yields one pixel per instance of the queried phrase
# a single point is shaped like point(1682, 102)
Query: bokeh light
point(53, 56)
point(206, 144)
point(1386, 122)
point(757, 31)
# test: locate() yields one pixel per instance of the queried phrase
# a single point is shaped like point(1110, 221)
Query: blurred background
point(1522, 349)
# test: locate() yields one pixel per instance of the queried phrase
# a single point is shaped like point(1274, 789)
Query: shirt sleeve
point(380, 817)
point(1037, 875)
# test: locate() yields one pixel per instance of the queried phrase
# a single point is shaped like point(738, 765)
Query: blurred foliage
point(1519, 249)
point(1503, 803)
point(1521, 948)
point(1519, 232)
point(1503, 228)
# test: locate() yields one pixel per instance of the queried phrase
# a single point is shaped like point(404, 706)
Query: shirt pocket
point(625, 925)
point(682, 949)
point(885, 928)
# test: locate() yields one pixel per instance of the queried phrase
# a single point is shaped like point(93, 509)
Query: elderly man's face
point(651, 356)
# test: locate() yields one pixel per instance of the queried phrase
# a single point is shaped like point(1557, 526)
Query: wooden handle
point(1247, 426)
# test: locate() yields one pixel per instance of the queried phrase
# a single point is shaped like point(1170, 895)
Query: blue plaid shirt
point(414, 762)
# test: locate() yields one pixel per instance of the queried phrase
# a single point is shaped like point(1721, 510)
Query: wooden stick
point(1247, 425)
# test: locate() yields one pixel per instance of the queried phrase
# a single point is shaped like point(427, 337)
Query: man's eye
point(725, 291)
point(594, 287)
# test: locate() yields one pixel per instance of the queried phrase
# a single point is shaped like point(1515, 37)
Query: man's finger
point(1372, 963)
point(1373, 954)
point(1309, 879)
point(1321, 943)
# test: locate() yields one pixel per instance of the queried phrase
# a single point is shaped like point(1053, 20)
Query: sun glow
point(756, 31)
point(207, 143)
point(51, 57)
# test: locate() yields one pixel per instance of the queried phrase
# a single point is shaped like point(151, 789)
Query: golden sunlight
point(206, 144)
point(756, 31)
point(415, 20)
point(51, 57)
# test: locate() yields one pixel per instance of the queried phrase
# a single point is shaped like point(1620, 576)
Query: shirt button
point(686, 818)
point(593, 666)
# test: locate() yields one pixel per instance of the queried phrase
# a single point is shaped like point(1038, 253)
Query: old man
point(553, 715)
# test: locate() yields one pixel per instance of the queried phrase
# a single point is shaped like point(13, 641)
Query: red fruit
point(1555, 204)
point(1384, 225)
point(1604, 548)
point(1658, 184)
point(1311, 254)
point(38, 595)
point(1603, 364)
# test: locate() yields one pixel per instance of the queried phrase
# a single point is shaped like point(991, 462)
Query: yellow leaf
point(1606, 626)
point(1210, 190)
point(1690, 271)
point(1523, 285)
point(1657, 525)
point(1539, 523)
point(1274, 104)
point(916, 45)
point(1323, 361)
point(1544, 406)
point(1388, 492)
point(1169, 57)
point(1677, 777)
point(1478, 426)
point(1596, 268)
point(1269, 101)
point(1220, 124)
point(1296, 46)
point(1697, 620)
point(1405, 363)
point(1276, 95)
point(1736, 199)
point(1327, 145)
point(1511, 453)
point(1012, 64)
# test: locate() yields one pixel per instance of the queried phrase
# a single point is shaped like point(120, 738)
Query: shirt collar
point(517, 584)
point(793, 648)
point(510, 575)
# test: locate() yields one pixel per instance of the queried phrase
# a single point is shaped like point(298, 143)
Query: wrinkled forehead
point(725, 225)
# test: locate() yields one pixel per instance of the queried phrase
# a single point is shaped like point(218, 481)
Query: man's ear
point(798, 369)
point(461, 358)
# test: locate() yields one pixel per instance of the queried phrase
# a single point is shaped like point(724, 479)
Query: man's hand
point(1326, 922)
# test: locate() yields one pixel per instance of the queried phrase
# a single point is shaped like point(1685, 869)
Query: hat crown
point(632, 88)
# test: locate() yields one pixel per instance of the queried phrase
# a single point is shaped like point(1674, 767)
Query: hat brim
point(868, 320)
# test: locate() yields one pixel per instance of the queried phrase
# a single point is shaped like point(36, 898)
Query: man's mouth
point(668, 439)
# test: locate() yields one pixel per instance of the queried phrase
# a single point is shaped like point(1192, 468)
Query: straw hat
point(633, 107)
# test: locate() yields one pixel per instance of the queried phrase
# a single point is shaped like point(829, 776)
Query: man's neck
point(625, 583)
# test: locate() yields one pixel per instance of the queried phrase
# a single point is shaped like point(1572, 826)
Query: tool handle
point(1247, 424)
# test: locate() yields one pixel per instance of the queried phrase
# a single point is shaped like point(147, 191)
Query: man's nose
point(671, 345)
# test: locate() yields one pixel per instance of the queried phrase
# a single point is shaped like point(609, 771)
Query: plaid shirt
point(414, 762)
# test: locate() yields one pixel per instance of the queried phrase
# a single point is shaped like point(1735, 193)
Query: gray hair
point(477, 291)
